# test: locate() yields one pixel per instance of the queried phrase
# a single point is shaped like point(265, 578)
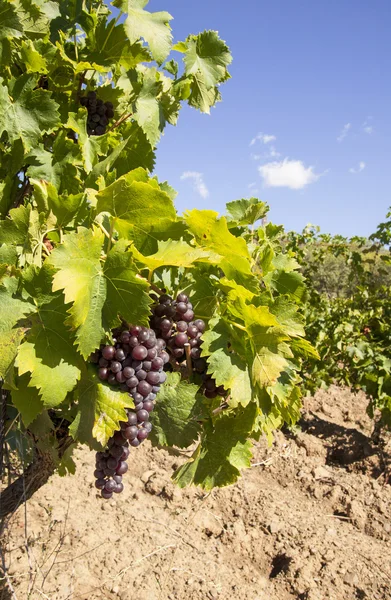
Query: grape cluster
point(99, 113)
point(135, 364)
point(173, 320)
point(209, 387)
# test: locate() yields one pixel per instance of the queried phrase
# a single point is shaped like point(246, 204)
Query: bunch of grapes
point(173, 320)
point(99, 113)
point(209, 387)
point(135, 364)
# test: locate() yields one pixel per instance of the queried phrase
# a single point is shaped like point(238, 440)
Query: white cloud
point(287, 173)
point(273, 153)
point(198, 182)
point(344, 132)
point(253, 188)
point(361, 167)
point(265, 138)
point(367, 127)
point(252, 185)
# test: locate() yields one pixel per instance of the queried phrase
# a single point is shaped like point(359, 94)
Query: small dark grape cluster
point(99, 113)
point(135, 364)
point(173, 320)
point(209, 387)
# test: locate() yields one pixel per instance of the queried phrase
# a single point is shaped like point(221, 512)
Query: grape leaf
point(173, 253)
point(138, 208)
point(126, 292)
point(203, 293)
point(101, 409)
point(27, 113)
point(209, 56)
point(80, 275)
point(224, 449)
point(202, 97)
point(14, 229)
point(12, 311)
point(291, 284)
point(26, 400)
point(227, 368)
point(246, 211)
point(49, 354)
point(287, 314)
point(11, 27)
point(34, 61)
point(177, 412)
point(154, 27)
point(147, 107)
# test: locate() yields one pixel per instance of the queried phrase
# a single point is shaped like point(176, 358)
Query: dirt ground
point(310, 520)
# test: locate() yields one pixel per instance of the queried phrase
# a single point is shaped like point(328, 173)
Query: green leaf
point(14, 229)
point(207, 55)
point(26, 400)
point(11, 26)
point(287, 314)
point(139, 208)
point(12, 311)
point(154, 27)
point(101, 408)
point(64, 208)
point(49, 355)
point(126, 292)
point(35, 63)
point(224, 450)
point(291, 284)
point(201, 97)
point(27, 113)
point(247, 211)
point(173, 253)
point(227, 368)
point(80, 274)
point(177, 412)
point(148, 108)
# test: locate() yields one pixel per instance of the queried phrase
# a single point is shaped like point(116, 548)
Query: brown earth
point(310, 520)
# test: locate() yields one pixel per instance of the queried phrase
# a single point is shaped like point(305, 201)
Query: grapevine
point(121, 319)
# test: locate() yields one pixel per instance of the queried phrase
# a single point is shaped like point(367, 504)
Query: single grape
point(100, 483)
point(144, 388)
point(125, 337)
point(115, 366)
point(200, 324)
point(163, 377)
point(125, 453)
point(138, 406)
point(135, 443)
point(178, 353)
point(148, 405)
point(117, 478)
point(192, 331)
point(106, 495)
point(110, 485)
point(195, 353)
point(210, 385)
point(112, 463)
point(133, 341)
point(152, 353)
point(109, 472)
point(160, 344)
point(120, 354)
point(155, 389)
point(181, 326)
point(210, 394)
point(180, 339)
point(98, 473)
point(165, 357)
point(103, 362)
point(141, 375)
point(142, 415)
point(165, 299)
point(116, 451)
point(181, 308)
point(120, 377)
point(118, 439)
point(153, 377)
point(165, 324)
point(119, 488)
point(128, 372)
point(137, 365)
point(160, 310)
point(142, 434)
point(108, 352)
point(188, 316)
point(139, 352)
point(112, 379)
point(150, 343)
point(132, 418)
point(103, 373)
point(137, 397)
point(132, 382)
point(182, 298)
point(157, 364)
point(130, 432)
point(122, 468)
point(148, 426)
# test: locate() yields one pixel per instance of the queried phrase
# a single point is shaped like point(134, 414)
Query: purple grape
point(137, 397)
point(135, 443)
point(142, 415)
point(163, 377)
point(138, 406)
point(165, 357)
point(103, 373)
point(103, 362)
point(188, 316)
point(125, 337)
point(153, 377)
point(112, 380)
point(117, 478)
point(139, 352)
point(155, 389)
point(137, 365)
point(165, 299)
point(142, 434)
point(195, 353)
point(119, 488)
point(112, 463)
point(125, 453)
point(128, 372)
point(120, 377)
point(109, 472)
point(122, 468)
point(108, 352)
point(144, 388)
point(192, 331)
point(157, 364)
point(132, 382)
point(116, 451)
point(180, 339)
point(148, 406)
point(132, 419)
point(115, 366)
point(135, 330)
point(141, 375)
point(152, 353)
point(200, 324)
point(118, 439)
point(181, 307)
point(178, 353)
point(98, 473)
point(110, 485)
point(182, 298)
point(143, 335)
point(165, 324)
point(181, 326)
point(147, 365)
point(148, 426)
point(133, 341)
point(160, 344)
point(160, 310)
point(130, 432)
point(100, 484)
point(120, 354)
point(106, 495)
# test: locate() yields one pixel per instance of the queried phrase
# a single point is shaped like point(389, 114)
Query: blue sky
point(303, 72)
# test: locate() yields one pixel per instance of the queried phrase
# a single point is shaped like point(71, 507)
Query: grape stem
point(222, 407)
point(104, 231)
point(122, 118)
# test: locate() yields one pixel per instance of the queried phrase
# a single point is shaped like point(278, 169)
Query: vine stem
point(188, 359)
point(107, 234)
point(110, 235)
point(242, 327)
point(121, 120)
